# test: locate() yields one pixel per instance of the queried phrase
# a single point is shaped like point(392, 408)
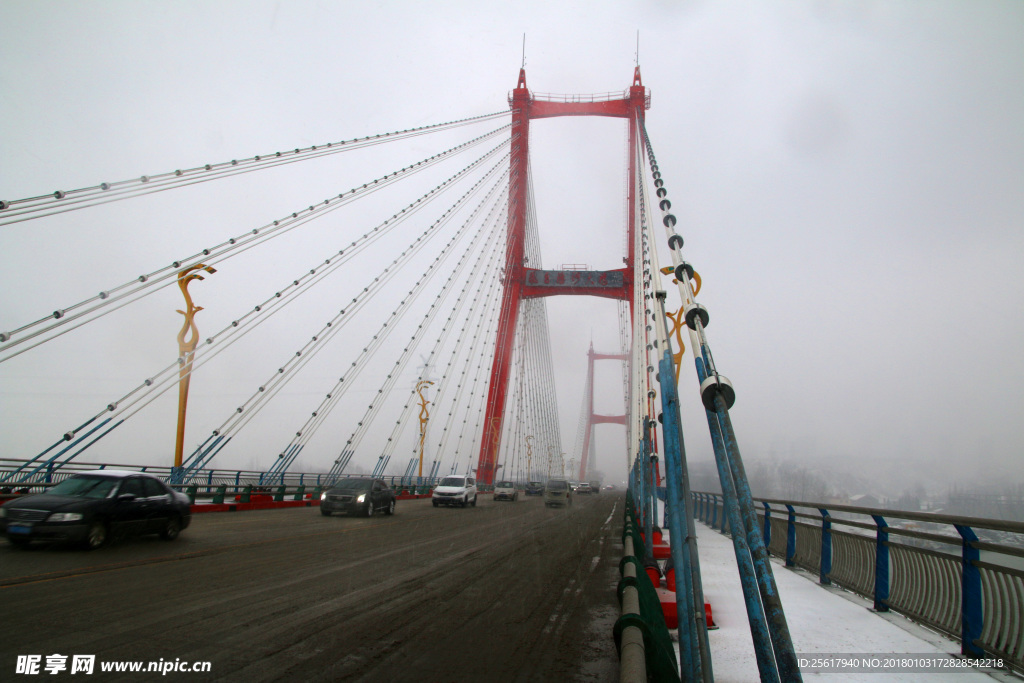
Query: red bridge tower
point(524, 283)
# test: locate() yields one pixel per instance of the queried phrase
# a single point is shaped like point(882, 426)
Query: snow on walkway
point(821, 620)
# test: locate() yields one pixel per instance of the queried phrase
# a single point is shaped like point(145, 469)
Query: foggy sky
point(849, 179)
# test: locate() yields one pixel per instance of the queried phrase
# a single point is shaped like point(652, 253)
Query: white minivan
point(455, 489)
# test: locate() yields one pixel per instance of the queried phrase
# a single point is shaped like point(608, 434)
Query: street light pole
point(186, 350)
point(424, 417)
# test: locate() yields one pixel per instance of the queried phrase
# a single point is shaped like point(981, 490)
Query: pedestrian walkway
point(822, 620)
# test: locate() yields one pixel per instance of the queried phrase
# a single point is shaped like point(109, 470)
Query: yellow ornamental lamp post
point(186, 350)
point(424, 417)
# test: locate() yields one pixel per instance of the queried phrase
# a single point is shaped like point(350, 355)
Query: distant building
point(865, 500)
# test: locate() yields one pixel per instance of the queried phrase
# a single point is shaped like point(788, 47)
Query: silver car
point(506, 490)
point(557, 492)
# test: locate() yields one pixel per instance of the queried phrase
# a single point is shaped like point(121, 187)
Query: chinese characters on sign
point(574, 278)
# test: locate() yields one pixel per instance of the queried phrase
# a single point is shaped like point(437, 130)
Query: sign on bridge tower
point(524, 283)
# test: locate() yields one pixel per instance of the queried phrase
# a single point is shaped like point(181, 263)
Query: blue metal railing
point(961, 575)
point(205, 481)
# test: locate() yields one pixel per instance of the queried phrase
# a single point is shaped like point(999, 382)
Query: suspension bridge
point(436, 260)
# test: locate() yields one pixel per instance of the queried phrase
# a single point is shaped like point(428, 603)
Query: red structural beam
point(596, 419)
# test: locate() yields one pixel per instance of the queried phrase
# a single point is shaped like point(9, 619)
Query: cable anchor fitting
point(714, 386)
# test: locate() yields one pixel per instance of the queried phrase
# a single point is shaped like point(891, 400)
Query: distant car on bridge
point(455, 489)
point(583, 487)
point(506, 490)
point(358, 496)
point(90, 508)
point(557, 492)
point(535, 488)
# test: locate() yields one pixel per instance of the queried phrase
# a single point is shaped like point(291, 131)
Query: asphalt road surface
point(500, 592)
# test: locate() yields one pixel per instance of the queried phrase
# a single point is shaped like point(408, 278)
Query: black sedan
point(358, 496)
point(92, 507)
point(535, 488)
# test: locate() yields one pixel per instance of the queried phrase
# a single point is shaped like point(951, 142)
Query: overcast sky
point(849, 178)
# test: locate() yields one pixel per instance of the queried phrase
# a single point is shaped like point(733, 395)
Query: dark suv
point(535, 488)
point(91, 507)
point(358, 496)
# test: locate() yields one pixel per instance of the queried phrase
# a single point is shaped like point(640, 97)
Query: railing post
point(714, 510)
point(826, 548)
point(881, 565)
point(970, 611)
point(790, 536)
point(767, 526)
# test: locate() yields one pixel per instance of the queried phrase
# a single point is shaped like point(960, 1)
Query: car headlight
point(323, 496)
point(65, 517)
point(361, 498)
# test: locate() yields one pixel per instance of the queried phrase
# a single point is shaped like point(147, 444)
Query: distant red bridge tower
point(592, 417)
point(525, 283)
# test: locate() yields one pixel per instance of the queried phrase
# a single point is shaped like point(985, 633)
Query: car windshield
point(453, 481)
point(353, 485)
point(504, 485)
point(557, 485)
point(84, 487)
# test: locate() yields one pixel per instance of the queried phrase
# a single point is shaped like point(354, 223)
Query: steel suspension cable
point(277, 381)
point(490, 341)
point(146, 284)
point(62, 201)
point(481, 333)
point(166, 377)
point(487, 260)
point(369, 415)
point(364, 297)
point(410, 346)
point(717, 395)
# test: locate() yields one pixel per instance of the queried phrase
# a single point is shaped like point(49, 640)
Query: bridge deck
point(497, 592)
